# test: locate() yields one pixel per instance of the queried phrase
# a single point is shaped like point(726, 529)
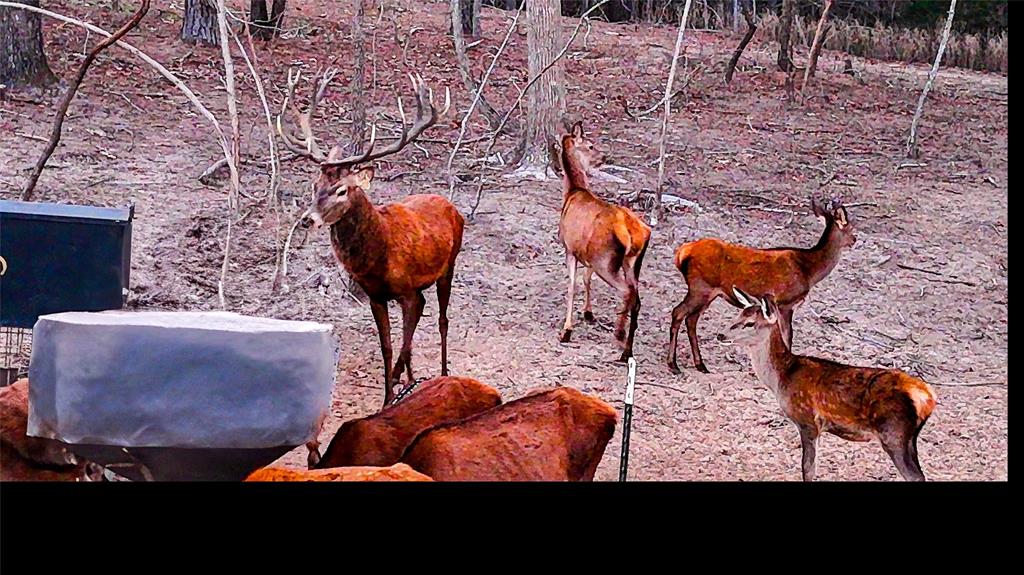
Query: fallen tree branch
point(69, 94)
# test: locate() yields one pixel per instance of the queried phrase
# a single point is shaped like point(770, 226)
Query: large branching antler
point(426, 116)
point(306, 146)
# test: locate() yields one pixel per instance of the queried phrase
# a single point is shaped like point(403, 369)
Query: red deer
point(551, 435)
point(394, 252)
point(25, 458)
point(607, 239)
point(380, 439)
point(397, 472)
point(711, 267)
point(854, 403)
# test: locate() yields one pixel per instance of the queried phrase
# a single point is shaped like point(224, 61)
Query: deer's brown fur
point(711, 267)
point(608, 239)
point(819, 395)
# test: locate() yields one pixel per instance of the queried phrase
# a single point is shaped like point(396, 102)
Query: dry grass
point(881, 42)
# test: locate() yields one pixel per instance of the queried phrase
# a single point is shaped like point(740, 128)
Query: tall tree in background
point(22, 60)
point(199, 26)
point(264, 23)
point(785, 42)
point(471, 17)
point(545, 105)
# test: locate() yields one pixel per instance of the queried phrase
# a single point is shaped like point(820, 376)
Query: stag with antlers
point(393, 252)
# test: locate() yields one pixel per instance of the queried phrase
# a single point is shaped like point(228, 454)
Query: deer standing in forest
point(854, 403)
point(607, 239)
point(711, 267)
point(392, 252)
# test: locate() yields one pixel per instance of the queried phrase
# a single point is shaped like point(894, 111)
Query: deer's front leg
point(380, 315)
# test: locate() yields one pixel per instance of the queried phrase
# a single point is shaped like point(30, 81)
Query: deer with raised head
point(818, 395)
point(392, 252)
point(711, 267)
point(608, 239)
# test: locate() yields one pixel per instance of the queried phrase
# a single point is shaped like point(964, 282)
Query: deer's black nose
point(721, 337)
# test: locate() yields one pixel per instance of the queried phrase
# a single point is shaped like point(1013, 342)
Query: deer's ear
point(817, 208)
point(577, 130)
point(363, 177)
point(840, 215)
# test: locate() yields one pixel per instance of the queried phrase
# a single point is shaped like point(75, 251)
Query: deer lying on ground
point(711, 267)
point(397, 472)
point(380, 439)
point(854, 403)
point(394, 252)
point(607, 239)
point(26, 458)
point(551, 435)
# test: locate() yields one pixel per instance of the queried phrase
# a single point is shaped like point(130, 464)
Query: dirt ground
point(746, 155)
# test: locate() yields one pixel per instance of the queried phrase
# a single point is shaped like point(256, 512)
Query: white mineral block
point(179, 379)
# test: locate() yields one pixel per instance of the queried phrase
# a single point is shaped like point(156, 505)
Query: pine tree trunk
point(785, 29)
point(22, 60)
point(545, 105)
point(199, 26)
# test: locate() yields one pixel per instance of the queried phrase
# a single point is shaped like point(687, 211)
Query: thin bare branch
point(69, 94)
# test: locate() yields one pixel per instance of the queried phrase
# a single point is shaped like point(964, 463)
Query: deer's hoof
point(625, 356)
point(589, 317)
point(674, 368)
point(566, 336)
point(701, 368)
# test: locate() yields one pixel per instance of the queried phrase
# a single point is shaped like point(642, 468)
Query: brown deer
point(555, 434)
point(854, 403)
point(394, 252)
point(381, 438)
point(607, 239)
point(711, 267)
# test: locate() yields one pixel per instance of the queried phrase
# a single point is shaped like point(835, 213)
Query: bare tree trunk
point(22, 59)
point(199, 26)
point(819, 40)
point(785, 30)
point(465, 70)
point(469, 17)
point(265, 23)
point(668, 108)
point(912, 149)
point(751, 29)
point(69, 94)
point(545, 106)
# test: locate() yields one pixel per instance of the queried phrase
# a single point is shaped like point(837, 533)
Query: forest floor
point(924, 289)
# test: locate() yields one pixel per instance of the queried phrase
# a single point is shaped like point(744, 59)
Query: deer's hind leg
point(570, 264)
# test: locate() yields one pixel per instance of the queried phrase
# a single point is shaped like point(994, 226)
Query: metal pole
point(627, 419)
point(405, 392)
